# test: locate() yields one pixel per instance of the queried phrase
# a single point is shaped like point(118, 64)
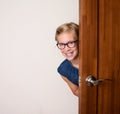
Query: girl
point(67, 36)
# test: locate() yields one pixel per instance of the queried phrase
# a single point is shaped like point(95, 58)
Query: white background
point(29, 82)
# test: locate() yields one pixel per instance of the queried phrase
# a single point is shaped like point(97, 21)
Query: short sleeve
point(67, 70)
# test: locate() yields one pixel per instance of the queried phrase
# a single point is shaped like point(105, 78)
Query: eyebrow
point(67, 42)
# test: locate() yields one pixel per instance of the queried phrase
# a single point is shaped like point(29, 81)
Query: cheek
point(76, 50)
point(62, 52)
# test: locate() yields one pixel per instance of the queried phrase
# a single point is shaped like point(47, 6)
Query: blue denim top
point(67, 70)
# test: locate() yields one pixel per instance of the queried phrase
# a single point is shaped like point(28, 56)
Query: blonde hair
point(67, 27)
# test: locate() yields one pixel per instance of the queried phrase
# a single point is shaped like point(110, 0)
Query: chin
point(70, 59)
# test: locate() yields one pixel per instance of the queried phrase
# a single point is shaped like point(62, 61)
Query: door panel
point(100, 56)
point(88, 54)
point(109, 57)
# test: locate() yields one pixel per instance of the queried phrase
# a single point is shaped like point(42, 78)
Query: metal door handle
point(91, 81)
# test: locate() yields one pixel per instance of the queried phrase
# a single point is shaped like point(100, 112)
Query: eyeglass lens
point(70, 44)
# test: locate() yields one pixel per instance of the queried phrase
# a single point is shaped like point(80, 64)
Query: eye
point(60, 44)
point(72, 42)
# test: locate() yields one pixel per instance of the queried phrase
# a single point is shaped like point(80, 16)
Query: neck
point(75, 63)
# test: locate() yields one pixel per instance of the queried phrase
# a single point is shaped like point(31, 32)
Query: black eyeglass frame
point(67, 44)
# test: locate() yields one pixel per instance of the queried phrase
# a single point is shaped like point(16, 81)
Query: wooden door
point(100, 56)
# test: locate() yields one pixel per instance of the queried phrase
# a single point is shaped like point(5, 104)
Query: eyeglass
point(70, 44)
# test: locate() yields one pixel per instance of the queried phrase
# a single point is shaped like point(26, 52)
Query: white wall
point(29, 82)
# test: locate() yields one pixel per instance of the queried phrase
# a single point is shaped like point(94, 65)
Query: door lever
point(91, 81)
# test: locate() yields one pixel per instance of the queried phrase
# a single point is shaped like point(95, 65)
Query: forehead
point(65, 37)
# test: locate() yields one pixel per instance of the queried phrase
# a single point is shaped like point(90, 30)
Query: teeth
point(69, 54)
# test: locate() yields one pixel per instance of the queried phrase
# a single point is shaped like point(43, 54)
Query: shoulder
point(65, 68)
point(64, 65)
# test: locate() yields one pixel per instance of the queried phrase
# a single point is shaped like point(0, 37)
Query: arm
point(74, 88)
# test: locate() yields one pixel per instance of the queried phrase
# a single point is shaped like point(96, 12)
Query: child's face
point(70, 53)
